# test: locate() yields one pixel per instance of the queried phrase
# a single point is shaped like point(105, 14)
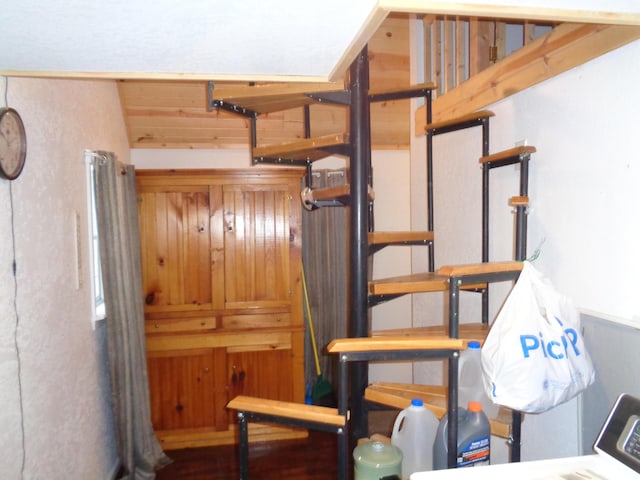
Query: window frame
point(98, 310)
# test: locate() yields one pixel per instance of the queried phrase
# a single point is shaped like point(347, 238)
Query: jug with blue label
point(474, 439)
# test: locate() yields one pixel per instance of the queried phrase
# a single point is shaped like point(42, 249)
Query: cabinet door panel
point(266, 374)
point(176, 249)
point(256, 239)
point(187, 389)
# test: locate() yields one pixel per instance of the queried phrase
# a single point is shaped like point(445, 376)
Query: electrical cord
point(16, 328)
point(15, 307)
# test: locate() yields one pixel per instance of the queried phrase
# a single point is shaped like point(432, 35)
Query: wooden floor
point(313, 458)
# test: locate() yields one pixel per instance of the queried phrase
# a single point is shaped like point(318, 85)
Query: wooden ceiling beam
point(562, 12)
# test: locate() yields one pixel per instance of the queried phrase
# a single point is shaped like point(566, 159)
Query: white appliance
point(617, 455)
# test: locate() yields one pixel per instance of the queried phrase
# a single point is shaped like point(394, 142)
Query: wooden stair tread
point(467, 331)
point(404, 284)
point(480, 268)
point(519, 201)
point(415, 283)
point(273, 97)
point(399, 395)
point(309, 149)
point(505, 154)
point(376, 238)
point(331, 193)
point(410, 91)
point(300, 411)
point(462, 119)
point(397, 343)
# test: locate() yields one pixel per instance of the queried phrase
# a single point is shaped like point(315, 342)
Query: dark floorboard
point(313, 458)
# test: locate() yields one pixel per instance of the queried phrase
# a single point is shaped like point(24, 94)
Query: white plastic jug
point(470, 381)
point(414, 432)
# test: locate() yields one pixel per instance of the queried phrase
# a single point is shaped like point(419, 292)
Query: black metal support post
point(358, 222)
point(243, 446)
point(515, 440)
point(430, 227)
point(485, 215)
point(452, 393)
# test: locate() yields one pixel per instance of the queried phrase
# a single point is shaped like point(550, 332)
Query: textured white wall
point(584, 194)
point(55, 420)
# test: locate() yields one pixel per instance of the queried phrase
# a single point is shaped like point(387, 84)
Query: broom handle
point(313, 335)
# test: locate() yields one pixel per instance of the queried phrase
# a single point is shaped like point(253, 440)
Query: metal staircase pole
point(485, 215)
point(359, 162)
point(521, 254)
point(430, 226)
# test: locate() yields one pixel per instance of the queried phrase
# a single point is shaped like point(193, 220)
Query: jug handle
point(398, 422)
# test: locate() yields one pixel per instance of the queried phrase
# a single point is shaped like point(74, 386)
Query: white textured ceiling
point(234, 38)
point(230, 39)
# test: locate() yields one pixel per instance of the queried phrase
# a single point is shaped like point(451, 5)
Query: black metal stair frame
point(481, 121)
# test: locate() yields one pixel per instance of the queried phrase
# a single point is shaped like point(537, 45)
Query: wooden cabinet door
point(188, 390)
point(256, 246)
point(175, 247)
point(264, 373)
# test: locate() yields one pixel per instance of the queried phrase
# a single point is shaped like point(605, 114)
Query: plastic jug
point(414, 432)
point(376, 460)
point(474, 439)
point(470, 380)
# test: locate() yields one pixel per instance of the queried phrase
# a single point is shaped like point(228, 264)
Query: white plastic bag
point(534, 357)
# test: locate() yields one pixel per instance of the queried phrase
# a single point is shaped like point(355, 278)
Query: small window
point(97, 290)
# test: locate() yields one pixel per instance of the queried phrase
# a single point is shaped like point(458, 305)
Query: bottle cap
point(417, 402)
point(473, 345)
point(474, 407)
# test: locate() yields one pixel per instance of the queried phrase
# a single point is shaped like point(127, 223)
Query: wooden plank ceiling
point(173, 114)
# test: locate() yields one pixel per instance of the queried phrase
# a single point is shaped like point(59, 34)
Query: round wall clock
point(13, 143)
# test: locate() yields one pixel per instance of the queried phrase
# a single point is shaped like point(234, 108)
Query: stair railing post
point(359, 162)
point(515, 440)
point(429, 135)
point(485, 215)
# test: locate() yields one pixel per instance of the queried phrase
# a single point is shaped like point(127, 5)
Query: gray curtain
point(118, 236)
point(324, 255)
